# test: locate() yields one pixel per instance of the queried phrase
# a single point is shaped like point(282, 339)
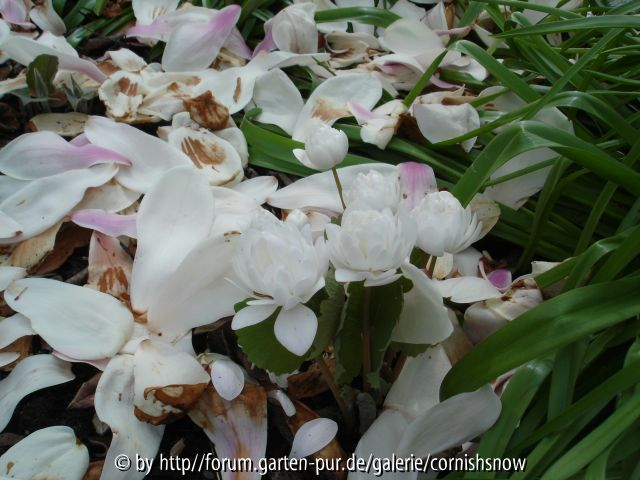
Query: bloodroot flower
point(280, 267)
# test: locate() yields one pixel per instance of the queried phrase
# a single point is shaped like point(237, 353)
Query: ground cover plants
point(322, 232)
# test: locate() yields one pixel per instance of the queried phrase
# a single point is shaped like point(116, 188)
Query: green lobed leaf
point(348, 342)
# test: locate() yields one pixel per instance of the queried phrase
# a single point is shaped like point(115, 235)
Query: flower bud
point(373, 191)
point(324, 149)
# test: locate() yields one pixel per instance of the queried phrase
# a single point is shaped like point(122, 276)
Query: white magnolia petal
point(279, 100)
point(294, 29)
point(76, 321)
point(9, 228)
point(319, 192)
point(466, 262)
point(167, 380)
point(67, 124)
point(110, 197)
point(24, 50)
point(115, 406)
point(411, 37)
point(7, 358)
point(424, 318)
point(42, 154)
point(452, 422)
point(14, 327)
point(127, 60)
point(296, 328)
point(8, 275)
point(203, 41)
point(146, 11)
point(252, 315)
point(312, 436)
point(44, 202)
point(150, 157)
point(284, 401)
point(31, 374)
point(328, 102)
point(174, 216)
point(416, 180)
point(44, 16)
point(198, 291)
point(227, 378)
point(122, 93)
point(417, 388)
point(467, 289)
point(381, 441)
point(237, 429)
point(235, 137)
point(258, 188)
point(52, 452)
point(213, 156)
point(442, 122)
point(14, 12)
point(110, 224)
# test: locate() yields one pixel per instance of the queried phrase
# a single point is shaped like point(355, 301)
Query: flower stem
point(431, 265)
point(338, 186)
point(366, 338)
point(328, 378)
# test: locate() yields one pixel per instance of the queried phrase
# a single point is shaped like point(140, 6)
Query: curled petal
point(13, 328)
point(52, 452)
point(14, 12)
point(227, 378)
point(279, 100)
point(31, 374)
point(416, 180)
point(108, 223)
point(109, 266)
point(203, 41)
point(252, 315)
point(45, 17)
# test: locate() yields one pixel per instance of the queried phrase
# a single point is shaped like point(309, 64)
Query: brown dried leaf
point(29, 254)
point(85, 395)
point(68, 239)
point(22, 346)
point(94, 472)
point(177, 400)
point(67, 124)
point(309, 383)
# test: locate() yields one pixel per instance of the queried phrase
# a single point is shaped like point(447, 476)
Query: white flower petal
point(115, 406)
point(424, 318)
point(7, 358)
point(14, 327)
point(296, 328)
point(110, 224)
point(284, 401)
point(45, 17)
point(109, 269)
point(312, 436)
point(52, 452)
point(150, 157)
point(174, 216)
point(45, 201)
point(31, 374)
point(146, 11)
point(258, 188)
point(442, 122)
point(279, 99)
point(8, 275)
point(79, 322)
point(410, 36)
point(467, 289)
point(227, 378)
point(450, 423)
point(252, 315)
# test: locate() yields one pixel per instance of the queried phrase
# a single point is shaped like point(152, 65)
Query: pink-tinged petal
point(80, 140)
point(227, 378)
point(15, 12)
point(52, 452)
point(114, 403)
point(235, 44)
point(237, 429)
point(24, 50)
point(31, 374)
point(252, 315)
point(42, 154)
point(435, 79)
point(454, 31)
point(167, 383)
point(109, 269)
point(14, 327)
point(361, 114)
point(296, 328)
point(110, 224)
point(203, 41)
point(42, 203)
point(45, 17)
point(267, 44)
point(313, 436)
point(79, 322)
point(416, 180)
point(173, 218)
point(500, 278)
point(153, 30)
point(150, 157)
point(451, 423)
